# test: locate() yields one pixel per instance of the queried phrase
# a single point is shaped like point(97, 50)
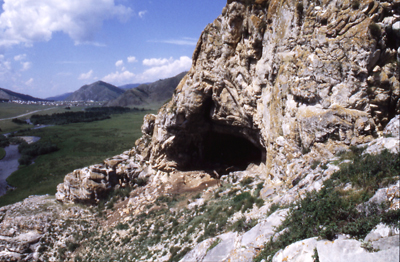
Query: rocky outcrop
point(277, 78)
point(92, 183)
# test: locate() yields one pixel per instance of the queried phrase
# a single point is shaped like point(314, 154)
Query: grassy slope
point(80, 144)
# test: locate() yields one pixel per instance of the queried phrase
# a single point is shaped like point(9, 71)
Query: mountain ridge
point(6, 94)
point(151, 94)
point(97, 91)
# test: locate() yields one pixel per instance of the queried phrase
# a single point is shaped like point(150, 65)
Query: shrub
point(30, 151)
point(259, 202)
point(315, 163)
point(121, 226)
point(25, 160)
point(18, 121)
point(141, 181)
point(370, 171)
point(375, 30)
point(72, 246)
point(4, 141)
point(243, 201)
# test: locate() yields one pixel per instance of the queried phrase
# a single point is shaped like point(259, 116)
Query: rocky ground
point(191, 216)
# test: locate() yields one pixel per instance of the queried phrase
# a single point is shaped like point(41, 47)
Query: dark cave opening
point(227, 152)
point(211, 151)
point(204, 144)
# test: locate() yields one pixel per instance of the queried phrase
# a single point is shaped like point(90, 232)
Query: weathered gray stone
point(389, 242)
point(393, 127)
point(261, 233)
point(351, 250)
point(301, 251)
point(381, 231)
point(223, 249)
point(396, 28)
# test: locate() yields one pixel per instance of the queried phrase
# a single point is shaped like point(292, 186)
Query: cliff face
point(281, 77)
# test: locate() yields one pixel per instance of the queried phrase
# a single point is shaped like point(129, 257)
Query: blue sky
point(50, 47)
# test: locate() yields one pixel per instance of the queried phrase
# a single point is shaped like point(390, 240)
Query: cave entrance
point(229, 152)
point(222, 152)
point(203, 144)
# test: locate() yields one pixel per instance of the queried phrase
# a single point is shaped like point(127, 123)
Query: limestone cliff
point(280, 77)
point(276, 90)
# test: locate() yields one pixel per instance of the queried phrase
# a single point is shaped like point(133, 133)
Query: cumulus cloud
point(142, 13)
point(27, 21)
point(119, 63)
point(159, 68)
point(131, 59)
point(26, 66)
point(168, 69)
point(157, 61)
point(119, 77)
point(85, 76)
point(20, 57)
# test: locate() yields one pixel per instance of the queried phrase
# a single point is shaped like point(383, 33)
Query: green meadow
point(81, 144)
point(11, 110)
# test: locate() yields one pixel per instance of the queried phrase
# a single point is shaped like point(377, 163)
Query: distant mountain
point(130, 86)
point(59, 97)
point(98, 91)
point(6, 94)
point(153, 94)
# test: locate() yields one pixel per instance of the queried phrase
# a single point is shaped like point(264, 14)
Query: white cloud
point(27, 21)
point(85, 76)
point(132, 59)
point(142, 13)
point(20, 57)
point(119, 63)
point(29, 82)
point(181, 41)
point(157, 61)
point(119, 77)
point(26, 66)
point(173, 67)
point(159, 68)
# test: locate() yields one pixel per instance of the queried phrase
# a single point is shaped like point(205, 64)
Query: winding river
point(9, 163)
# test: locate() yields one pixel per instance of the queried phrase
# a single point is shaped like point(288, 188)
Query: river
point(9, 163)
